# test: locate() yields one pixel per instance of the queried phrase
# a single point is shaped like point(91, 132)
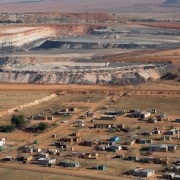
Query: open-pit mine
point(76, 53)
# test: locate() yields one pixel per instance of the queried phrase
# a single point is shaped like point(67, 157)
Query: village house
point(115, 139)
point(146, 173)
point(141, 172)
point(162, 117)
point(173, 131)
point(140, 114)
point(72, 109)
point(162, 147)
point(39, 117)
point(104, 125)
point(46, 161)
point(144, 141)
point(90, 155)
point(2, 141)
point(130, 143)
point(8, 158)
point(90, 142)
point(42, 155)
point(176, 177)
point(115, 113)
point(165, 138)
point(26, 159)
point(108, 117)
point(77, 154)
point(134, 171)
point(90, 114)
point(158, 148)
point(152, 120)
point(70, 163)
point(172, 147)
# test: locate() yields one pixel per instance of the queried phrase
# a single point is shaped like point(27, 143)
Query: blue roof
point(147, 170)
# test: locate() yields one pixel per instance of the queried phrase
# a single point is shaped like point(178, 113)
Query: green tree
point(18, 120)
point(8, 128)
point(42, 126)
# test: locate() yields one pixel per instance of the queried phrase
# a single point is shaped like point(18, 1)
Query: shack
point(46, 161)
point(158, 148)
point(146, 173)
point(108, 117)
point(70, 163)
point(115, 139)
point(104, 125)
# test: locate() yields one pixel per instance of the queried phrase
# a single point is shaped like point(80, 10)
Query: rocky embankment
point(111, 76)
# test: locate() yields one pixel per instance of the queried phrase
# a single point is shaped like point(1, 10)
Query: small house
point(43, 155)
point(157, 131)
point(104, 125)
point(79, 121)
point(77, 154)
point(83, 116)
point(101, 167)
point(90, 114)
point(131, 158)
point(70, 163)
point(176, 177)
point(169, 175)
point(144, 114)
point(72, 109)
point(172, 147)
point(152, 120)
point(52, 151)
point(90, 155)
point(8, 158)
point(130, 143)
point(158, 148)
point(115, 139)
point(162, 117)
point(114, 148)
point(146, 173)
point(135, 171)
point(39, 117)
point(115, 113)
point(46, 161)
point(172, 131)
point(90, 142)
point(102, 147)
point(29, 150)
point(50, 117)
point(165, 138)
point(27, 158)
point(141, 141)
point(108, 117)
point(2, 141)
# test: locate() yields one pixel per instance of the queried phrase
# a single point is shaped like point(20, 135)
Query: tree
point(8, 128)
point(42, 126)
point(18, 120)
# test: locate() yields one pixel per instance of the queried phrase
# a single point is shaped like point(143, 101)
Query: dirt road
point(57, 170)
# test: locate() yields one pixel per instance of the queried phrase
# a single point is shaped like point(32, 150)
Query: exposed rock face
point(25, 36)
point(56, 17)
point(107, 77)
point(93, 45)
point(172, 2)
